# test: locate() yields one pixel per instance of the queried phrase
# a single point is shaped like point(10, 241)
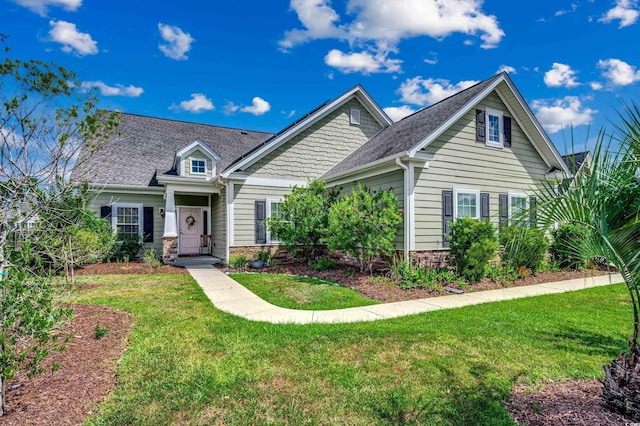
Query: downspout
point(407, 208)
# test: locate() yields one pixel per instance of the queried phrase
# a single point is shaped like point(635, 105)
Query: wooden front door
point(190, 230)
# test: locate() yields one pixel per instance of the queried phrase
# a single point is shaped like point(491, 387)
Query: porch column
point(170, 236)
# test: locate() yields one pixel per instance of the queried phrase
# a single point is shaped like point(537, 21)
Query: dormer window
point(198, 166)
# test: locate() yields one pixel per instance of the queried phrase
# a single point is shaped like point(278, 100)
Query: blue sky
point(259, 65)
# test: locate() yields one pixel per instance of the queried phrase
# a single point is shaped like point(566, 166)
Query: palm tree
point(605, 198)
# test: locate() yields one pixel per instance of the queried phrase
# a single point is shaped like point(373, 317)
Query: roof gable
point(198, 145)
point(307, 121)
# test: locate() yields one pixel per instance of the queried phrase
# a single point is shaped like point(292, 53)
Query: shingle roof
point(408, 132)
point(575, 161)
point(148, 144)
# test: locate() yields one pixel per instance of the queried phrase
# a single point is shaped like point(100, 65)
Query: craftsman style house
point(191, 188)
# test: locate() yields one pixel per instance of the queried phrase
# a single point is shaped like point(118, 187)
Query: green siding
point(219, 224)
point(244, 210)
point(461, 162)
point(147, 200)
point(390, 180)
point(318, 148)
point(197, 154)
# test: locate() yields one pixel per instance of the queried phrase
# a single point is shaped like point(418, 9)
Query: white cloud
point(562, 113)
point(230, 108)
point(363, 62)
point(117, 90)
point(289, 114)
point(626, 11)
point(398, 113)
point(560, 75)
point(197, 103)
point(507, 68)
point(574, 7)
point(619, 72)
point(417, 91)
point(41, 6)
point(595, 85)
point(71, 39)
point(258, 107)
point(178, 42)
point(431, 61)
point(319, 21)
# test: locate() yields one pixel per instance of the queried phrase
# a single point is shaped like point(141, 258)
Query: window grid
point(467, 205)
point(128, 223)
point(198, 166)
point(494, 128)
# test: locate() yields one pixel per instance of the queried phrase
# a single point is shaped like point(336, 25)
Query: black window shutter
point(481, 126)
point(484, 205)
point(533, 213)
point(105, 212)
point(503, 211)
point(447, 216)
point(507, 131)
point(261, 212)
point(147, 225)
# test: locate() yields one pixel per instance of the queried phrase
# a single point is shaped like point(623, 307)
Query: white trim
point(127, 189)
point(354, 171)
point(195, 144)
point(114, 216)
point(421, 155)
point(473, 191)
point(191, 172)
point(514, 194)
point(500, 115)
point(277, 183)
point(268, 213)
point(358, 92)
point(202, 209)
point(230, 219)
point(364, 175)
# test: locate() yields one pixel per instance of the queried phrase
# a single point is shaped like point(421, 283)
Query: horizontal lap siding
point(318, 148)
point(147, 200)
point(244, 210)
point(461, 162)
point(391, 180)
point(219, 224)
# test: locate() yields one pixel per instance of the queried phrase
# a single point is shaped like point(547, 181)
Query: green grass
point(191, 364)
point(300, 293)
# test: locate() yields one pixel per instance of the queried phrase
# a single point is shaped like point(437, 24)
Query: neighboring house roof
point(147, 145)
point(576, 160)
point(416, 131)
point(312, 117)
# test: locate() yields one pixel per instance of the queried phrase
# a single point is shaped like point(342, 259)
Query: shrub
point(524, 247)
point(151, 258)
point(568, 245)
point(408, 274)
point(302, 220)
point(101, 331)
point(364, 224)
point(238, 261)
point(128, 249)
point(473, 244)
point(323, 264)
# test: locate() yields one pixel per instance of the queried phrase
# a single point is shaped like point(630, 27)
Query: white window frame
point(500, 115)
point(457, 191)
point(114, 216)
point(192, 159)
point(354, 116)
point(268, 215)
point(511, 196)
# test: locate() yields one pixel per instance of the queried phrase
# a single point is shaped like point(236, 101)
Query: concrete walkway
point(229, 296)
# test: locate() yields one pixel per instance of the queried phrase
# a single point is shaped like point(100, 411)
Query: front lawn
point(300, 293)
point(191, 364)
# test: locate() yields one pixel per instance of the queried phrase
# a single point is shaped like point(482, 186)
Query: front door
point(190, 227)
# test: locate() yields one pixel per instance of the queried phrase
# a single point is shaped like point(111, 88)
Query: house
point(190, 187)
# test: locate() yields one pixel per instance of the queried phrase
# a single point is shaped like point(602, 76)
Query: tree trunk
point(3, 294)
point(621, 382)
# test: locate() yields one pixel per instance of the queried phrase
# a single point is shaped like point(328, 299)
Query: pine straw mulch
point(371, 287)
point(86, 373)
point(570, 403)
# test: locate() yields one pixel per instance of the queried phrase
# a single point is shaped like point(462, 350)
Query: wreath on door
point(190, 221)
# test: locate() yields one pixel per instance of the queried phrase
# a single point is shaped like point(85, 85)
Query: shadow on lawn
point(586, 342)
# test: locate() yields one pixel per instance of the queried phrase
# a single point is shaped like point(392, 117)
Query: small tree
point(364, 224)
point(524, 247)
point(473, 244)
point(45, 119)
point(303, 219)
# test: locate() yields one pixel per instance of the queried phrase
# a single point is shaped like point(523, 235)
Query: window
point(518, 203)
point(273, 209)
point(127, 221)
point(198, 166)
point(494, 128)
point(354, 116)
point(466, 203)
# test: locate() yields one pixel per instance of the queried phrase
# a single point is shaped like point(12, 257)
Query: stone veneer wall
point(169, 249)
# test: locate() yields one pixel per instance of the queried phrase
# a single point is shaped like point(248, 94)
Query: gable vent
point(354, 116)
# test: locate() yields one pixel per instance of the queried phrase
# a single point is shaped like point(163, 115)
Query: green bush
point(408, 274)
point(238, 261)
point(524, 247)
point(473, 244)
point(364, 224)
point(128, 249)
point(323, 264)
point(101, 331)
point(151, 258)
point(568, 245)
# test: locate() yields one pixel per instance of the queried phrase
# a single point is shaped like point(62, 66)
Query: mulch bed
point(128, 268)
point(86, 373)
point(385, 293)
point(573, 403)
